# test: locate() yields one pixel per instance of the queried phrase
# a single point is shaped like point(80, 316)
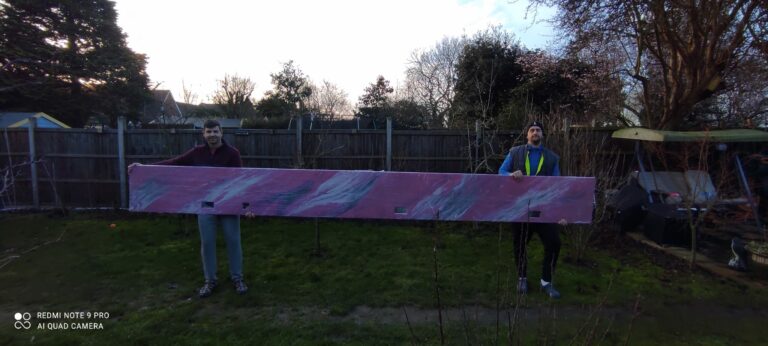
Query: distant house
point(311, 122)
point(225, 123)
point(162, 108)
point(21, 119)
point(203, 110)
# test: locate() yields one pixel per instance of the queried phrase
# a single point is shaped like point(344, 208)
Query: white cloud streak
point(348, 43)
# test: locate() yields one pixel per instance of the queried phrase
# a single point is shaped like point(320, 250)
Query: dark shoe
point(550, 291)
point(522, 286)
point(240, 286)
point(207, 288)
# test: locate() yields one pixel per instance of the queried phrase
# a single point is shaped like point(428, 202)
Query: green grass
point(145, 273)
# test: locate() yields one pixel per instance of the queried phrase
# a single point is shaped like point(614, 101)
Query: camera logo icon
point(22, 320)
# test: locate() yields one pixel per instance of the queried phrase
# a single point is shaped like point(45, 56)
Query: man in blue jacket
point(532, 159)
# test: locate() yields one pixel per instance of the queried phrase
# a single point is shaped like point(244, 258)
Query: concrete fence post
point(33, 164)
point(389, 144)
point(121, 169)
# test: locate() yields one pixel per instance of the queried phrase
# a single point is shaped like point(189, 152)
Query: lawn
point(372, 283)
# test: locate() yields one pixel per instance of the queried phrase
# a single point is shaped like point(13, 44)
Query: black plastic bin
point(667, 225)
point(627, 206)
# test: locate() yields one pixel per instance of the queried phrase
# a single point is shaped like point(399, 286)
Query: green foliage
point(549, 84)
point(503, 84)
point(376, 95)
point(275, 122)
point(291, 86)
point(68, 59)
point(273, 106)
point(409, 114)
point(487, 73)
point(760, 248)
point(375, 102)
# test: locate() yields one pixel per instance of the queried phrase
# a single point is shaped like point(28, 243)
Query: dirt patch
point(489, 316)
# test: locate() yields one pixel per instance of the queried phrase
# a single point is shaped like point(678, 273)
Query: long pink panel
point(360, 194)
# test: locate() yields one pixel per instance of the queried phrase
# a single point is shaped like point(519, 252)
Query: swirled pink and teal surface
point(360, 194)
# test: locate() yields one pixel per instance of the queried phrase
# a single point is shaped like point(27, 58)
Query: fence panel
point(81, 166)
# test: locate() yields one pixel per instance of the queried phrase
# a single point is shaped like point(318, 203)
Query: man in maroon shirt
point(215, 153)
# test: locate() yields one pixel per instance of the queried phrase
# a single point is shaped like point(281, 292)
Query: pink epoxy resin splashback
point(360, 194)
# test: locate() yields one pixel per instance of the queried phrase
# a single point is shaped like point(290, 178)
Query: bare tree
point(329, 101)
point(582, 89)
point(189, 96)
point(431, 77)
point(234, 95)
point(745, 101)
point(676, 53)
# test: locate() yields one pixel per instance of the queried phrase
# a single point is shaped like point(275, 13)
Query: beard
point(536, 141)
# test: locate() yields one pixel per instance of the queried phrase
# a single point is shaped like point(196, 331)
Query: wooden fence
point(86, 167)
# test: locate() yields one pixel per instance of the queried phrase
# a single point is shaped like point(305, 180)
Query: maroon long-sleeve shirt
point(224, 156)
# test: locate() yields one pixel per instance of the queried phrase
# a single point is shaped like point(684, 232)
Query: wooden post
point(121, 169)
point(33, 165)
point(317, 251)
point(751, 201)
point(299, 160)
point(478, 139)
point(566, 168)
point(389, 143)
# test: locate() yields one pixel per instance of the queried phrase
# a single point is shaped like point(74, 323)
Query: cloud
point(348, 43)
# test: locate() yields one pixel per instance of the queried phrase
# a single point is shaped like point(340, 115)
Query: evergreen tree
point(375, 101)
point(68, 59)
point(487, 72)
point(291, 86)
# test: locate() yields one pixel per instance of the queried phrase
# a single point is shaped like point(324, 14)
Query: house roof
point(199, 109)
point(224, 122)
point(21, 119)
point(211, 106)
point(160, 94)
point(187, 108)
point(161, 103)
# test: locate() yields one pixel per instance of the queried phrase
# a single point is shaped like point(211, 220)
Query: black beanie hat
point(535, 123)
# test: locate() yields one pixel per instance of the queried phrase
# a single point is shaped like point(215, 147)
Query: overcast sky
point(348, 43)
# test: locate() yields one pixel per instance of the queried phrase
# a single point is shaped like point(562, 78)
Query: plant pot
point(758, 253)
point(757, 258)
